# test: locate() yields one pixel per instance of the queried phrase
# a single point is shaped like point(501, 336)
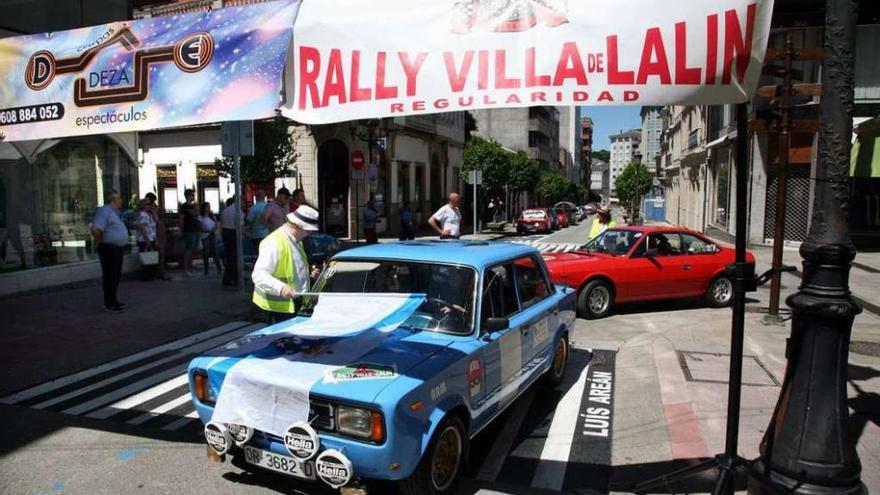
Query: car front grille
point(321, 415)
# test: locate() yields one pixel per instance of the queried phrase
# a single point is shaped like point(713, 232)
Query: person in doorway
point(282, 268)
point(190, 230)
point(274, 214)
point(407, 227)
point(145, 234)
point(370, 215)
point(111, 237)
point(602, 222)
point(230, 244)
point(209, 238)
point(258, 230)
point(161, 234)
point(447, 220)
point(298, 199)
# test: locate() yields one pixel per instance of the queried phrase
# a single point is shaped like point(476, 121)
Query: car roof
point(648, 229)
point(477, 254)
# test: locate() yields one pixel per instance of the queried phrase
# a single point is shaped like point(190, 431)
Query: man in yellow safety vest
point(602, 221)
point(282, 268)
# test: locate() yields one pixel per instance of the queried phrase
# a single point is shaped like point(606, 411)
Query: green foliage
point(554, 187)
point(274, 154)
point(603, 155)
point(503, 171)
point(524, 173)
point(634, 182)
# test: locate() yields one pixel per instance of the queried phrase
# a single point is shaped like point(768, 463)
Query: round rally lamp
point(302, 441)
point(334, 468)
point(240, 434)
point(218, 437)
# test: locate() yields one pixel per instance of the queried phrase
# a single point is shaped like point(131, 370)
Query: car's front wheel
point(595, 300)
point(437, 472)
point(720, 292)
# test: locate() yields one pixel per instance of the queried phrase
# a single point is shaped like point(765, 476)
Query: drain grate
point(710, 367)
point(865, 348)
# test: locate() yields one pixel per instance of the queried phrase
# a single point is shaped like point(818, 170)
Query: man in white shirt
point(282, 268)
point(230, 246)
point(447, 220)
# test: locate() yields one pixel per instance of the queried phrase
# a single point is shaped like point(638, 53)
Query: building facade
point(624, 149)
point(650, 144)
point(534, 130)
point(570, 144)
point(600, 179)
point(587, 149)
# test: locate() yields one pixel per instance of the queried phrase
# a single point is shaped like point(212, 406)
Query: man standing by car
point(602, 222)
point(282, 268)
point(111, 236)
point(447, 220)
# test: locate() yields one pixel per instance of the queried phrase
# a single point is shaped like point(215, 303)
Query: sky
point(611, 120)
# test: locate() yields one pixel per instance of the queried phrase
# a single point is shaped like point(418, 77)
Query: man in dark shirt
point(189, 228)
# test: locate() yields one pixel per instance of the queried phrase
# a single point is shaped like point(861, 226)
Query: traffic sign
point(357, 159)
point(237, 138)
point(475, 177)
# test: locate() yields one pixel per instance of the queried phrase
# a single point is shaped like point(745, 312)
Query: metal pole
point(239, 254)
point(475, 204)
point(784, 137)
point(807, 448)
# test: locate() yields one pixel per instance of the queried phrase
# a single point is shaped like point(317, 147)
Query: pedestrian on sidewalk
point(489, 216)
point(161, 234)
point(111, 237)
point(209, 226)
point(297, 199)
point(407, 227)
point(258, 230)
point(602, 222)
point(275, 213)
point(370, 215)
point(230, 246)
point(190, 229)
point(145, 225)
point(282, 268)
point(447, 220)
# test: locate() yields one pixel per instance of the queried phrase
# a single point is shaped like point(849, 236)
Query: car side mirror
point(496, 324)
point(651, 253)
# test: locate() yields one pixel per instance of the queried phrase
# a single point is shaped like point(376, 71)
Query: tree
point(553, 186)
point(492, 160)
point(524, 176)
point(470, 125)
point(603, 155)
point(634, 182)
point(274, 154)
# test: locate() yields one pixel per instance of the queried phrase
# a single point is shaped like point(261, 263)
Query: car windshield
point(613, 241)
point(449, 288)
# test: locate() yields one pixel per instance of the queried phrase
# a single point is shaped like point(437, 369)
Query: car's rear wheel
point(437, 472)
point(556, 373)
point(720, 292)
point(595, 300)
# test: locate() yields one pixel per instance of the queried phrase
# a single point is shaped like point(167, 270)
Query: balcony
point(693, 139)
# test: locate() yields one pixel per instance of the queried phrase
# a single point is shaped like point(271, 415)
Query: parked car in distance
point(645, 263)
point(570, 210)
point(590, 208)
point(534, 221)
point(405, 409)
point(561, 217)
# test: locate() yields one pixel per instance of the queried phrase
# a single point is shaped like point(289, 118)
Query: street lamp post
point(807, 449)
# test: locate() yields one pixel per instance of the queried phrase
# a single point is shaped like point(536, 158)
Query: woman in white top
point(208, 224)
point(146, 227)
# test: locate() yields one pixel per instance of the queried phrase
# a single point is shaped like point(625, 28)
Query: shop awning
point(171, 71)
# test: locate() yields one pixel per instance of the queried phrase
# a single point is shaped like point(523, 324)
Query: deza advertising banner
point(366, 58)
point(168, 71)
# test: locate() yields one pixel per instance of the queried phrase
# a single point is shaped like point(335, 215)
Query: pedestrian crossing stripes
point(148, 388)
point(549, 247)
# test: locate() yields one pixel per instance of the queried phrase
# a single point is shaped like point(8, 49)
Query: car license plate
point(279, 463)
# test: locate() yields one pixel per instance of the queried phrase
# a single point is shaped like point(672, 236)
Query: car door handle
point(686, 267)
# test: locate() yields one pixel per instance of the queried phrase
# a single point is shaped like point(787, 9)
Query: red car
point(628, 264)
point(561, 217)
point(534, 220)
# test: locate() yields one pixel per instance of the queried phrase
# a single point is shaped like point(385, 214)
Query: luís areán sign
point(352, 59)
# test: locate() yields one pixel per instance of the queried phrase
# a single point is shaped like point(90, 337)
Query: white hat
point(305, 217)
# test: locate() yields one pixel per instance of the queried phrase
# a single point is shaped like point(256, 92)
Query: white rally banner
point(355, 59)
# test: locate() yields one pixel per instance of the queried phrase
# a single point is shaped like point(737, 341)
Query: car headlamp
point(360, 423)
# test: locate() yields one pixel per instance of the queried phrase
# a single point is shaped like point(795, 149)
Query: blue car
point(489, 325)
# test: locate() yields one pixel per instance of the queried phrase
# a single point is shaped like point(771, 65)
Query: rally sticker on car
point(475, 377)
point(360, 371)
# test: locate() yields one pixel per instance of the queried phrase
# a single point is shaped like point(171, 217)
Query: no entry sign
point(357, 159)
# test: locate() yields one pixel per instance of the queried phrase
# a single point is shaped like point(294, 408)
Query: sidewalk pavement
point(60, 331)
